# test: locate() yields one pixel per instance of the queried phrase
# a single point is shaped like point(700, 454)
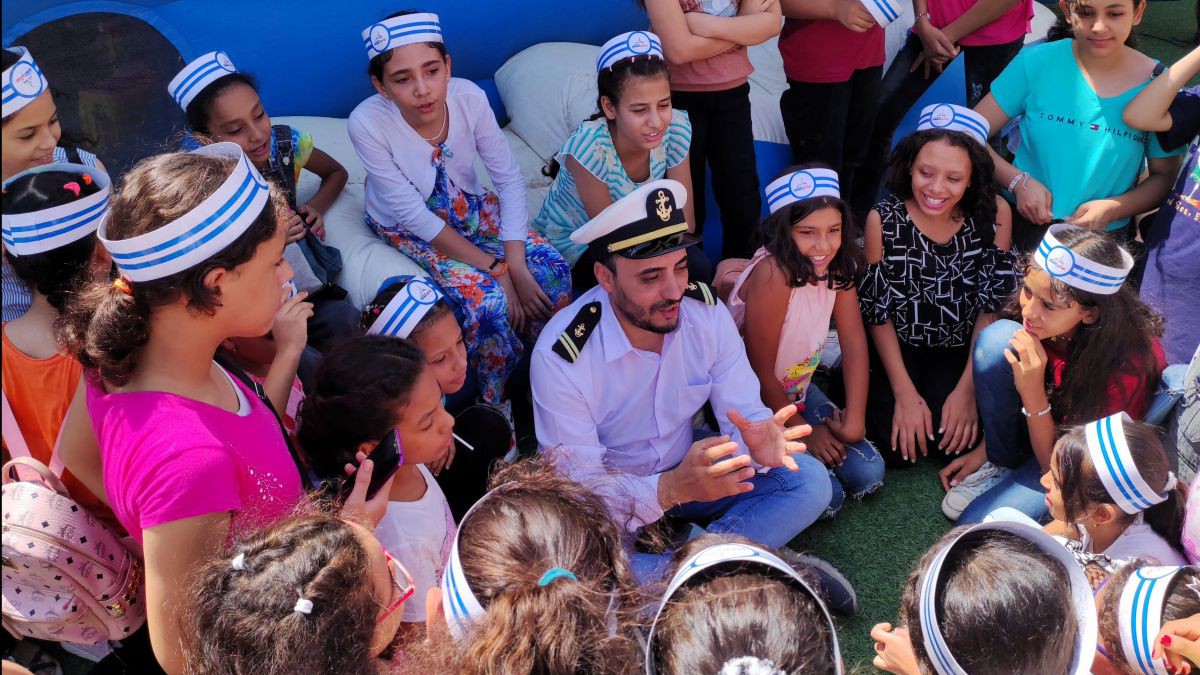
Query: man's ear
point(605, 277)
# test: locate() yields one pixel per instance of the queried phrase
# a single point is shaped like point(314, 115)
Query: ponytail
point(1166, 518)
point(107, 323)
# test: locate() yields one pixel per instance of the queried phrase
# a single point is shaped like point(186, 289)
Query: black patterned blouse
point(932, 292)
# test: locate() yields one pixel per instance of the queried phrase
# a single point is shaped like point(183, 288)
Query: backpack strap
point(73, 155)
point(14, 440)
point(306, 478)
point(285, 149)
point(8, 474)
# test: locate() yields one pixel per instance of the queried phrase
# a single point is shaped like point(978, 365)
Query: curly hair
point(978, 202)
point(103, 326)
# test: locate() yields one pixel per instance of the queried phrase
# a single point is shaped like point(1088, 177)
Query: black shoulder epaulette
point(698, 290)
point(571, 341)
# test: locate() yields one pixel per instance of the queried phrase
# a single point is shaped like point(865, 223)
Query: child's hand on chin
point(893, 650)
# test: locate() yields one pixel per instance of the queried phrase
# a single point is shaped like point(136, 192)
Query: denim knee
point(990, 345)
point(810, 485)
point(862, 473)
point(838, 497)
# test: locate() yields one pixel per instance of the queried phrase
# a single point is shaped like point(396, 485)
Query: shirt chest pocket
point(691, 397)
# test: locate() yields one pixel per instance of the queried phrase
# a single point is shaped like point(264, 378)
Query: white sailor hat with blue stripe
point(55, 227)
point(23, 82)
point(954, 118)
point(802, 184)
point(1074, 269)
point(1083, 605)
point(406, 309)
point(200, 233)
point(883, 11)
point(1140, 616)
point(627, 46)
point(1116, 468)
point(386, 35)
point(197, 75)
point(736, 555)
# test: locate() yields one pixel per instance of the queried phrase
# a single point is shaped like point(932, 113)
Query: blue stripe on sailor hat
point(802, 184)
point(883, 11)
point(627, 46)
point(1115, 466)
point(1076, 270)
point(23, 82)
point(398, 31)
point(954, 118)
point(1140, 613)
point(195, 76)
point(200, 233)
point(55, 227)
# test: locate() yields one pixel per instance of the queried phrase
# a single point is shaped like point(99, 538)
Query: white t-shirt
point(419, 534)
point(1138, 540)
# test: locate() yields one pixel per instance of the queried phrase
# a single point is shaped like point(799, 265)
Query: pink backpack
point(67, 576)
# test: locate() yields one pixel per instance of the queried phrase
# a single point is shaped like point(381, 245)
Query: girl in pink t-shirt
point(185, 455)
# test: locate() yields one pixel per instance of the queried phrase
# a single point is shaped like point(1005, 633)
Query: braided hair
point(358, 392)
point(244, 614)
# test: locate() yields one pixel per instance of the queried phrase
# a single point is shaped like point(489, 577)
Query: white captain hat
point(645, 223)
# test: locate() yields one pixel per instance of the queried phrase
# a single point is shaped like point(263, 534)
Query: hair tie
point(1172, 482)
point(303, 605)
point(87, 179)
point(239, 562)
point(73, 187)
point(122, 284)
point(555, 573)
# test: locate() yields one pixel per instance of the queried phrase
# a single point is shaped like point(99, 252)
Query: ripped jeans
point(862, 472)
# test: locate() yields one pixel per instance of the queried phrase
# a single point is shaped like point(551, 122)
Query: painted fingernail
point(1166, 640)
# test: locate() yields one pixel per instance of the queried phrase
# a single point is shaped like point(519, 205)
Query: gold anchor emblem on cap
point(580, 330)
point(664, 206)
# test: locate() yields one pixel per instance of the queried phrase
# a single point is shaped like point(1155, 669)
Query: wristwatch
point(498, 268)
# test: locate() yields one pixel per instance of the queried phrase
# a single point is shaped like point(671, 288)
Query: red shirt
point(1126, 391)
point(827, 51)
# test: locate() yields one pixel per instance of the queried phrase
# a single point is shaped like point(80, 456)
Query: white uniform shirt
point(622, 416)
point(400, 173)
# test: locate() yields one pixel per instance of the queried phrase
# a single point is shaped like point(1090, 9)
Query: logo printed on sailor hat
point(25, 80)
point(379, 36)
point(638, 42)
point(802, 184)
point(941, 116)
point(1060, 261)
point(225, 62)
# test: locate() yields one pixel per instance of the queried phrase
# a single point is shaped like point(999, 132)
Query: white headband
point(628, 46)
point(55, 227)
point(954, 118)
point(1075, 270)
point(398, 31)
point(1114, 464)
point(733, 555)
point(803, 184)
point(1140, 616)
point(197, 75)
point(884, 11)
point(406, 309)
point(1083, 604)
point(23, 82)
point(200, 233)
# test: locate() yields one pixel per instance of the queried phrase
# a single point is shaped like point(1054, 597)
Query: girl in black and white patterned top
point(938, 271)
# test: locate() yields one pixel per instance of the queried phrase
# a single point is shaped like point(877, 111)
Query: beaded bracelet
point(1036, 414)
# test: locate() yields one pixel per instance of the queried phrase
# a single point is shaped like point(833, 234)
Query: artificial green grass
point(874, 543)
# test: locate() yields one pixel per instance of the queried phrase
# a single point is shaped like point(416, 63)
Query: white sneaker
point(960, 496)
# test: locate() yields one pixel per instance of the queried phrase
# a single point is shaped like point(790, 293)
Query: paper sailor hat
point(197, 75)
point(23, 82)
point(1075, 270)
point(803, 184)
point(200, 233)
point(406, 309)
point(954, 118)
point(1083, 604)
point(731, 556)
point(1113, 463)
point(57, 226)
point(627, 46)
point(645, 223)
point(1140, 616)
point(884, 11)
point(410, 29)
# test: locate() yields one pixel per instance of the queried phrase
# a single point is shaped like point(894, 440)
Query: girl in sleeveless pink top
point(783, 301)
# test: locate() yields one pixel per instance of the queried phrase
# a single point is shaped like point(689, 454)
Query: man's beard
point(641, 317)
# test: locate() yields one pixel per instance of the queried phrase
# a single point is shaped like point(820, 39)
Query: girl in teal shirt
point(1078, 160)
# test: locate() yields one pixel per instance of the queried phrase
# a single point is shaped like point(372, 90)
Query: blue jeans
point(862, 472)
point(782, 504)
point(1004, 430)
